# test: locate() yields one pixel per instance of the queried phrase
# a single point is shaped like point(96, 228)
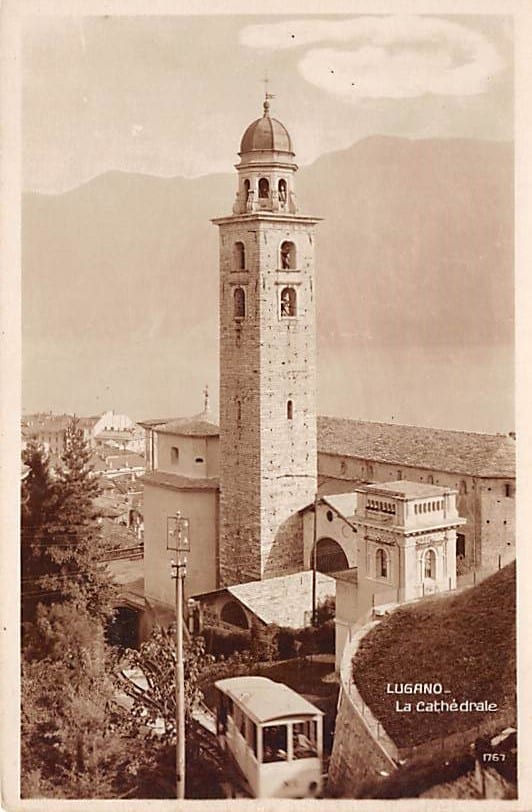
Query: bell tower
point(268, 457)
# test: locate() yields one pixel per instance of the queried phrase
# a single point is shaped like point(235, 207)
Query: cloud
point(395, 57)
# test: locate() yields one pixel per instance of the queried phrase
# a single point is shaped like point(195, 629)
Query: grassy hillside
point(466, 642)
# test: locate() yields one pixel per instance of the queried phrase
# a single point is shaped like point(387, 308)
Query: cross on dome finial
point(267, 96)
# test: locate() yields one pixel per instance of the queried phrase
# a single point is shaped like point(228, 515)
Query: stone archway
point(233, 613)
point(124, 630)
point(330, 556)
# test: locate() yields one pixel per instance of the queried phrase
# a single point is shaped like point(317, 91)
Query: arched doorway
point(233, 613)
point(123, 630)
point(329, 556)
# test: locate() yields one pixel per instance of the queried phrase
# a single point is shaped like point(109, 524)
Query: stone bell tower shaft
point(268, 457)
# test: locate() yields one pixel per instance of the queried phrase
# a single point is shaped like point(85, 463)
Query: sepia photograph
point(267, 434)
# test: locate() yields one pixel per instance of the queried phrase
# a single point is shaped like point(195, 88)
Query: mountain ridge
point(417, 237)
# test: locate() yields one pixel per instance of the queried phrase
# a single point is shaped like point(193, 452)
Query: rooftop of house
point(53, 422)
point(179, 482)
point(475, 454)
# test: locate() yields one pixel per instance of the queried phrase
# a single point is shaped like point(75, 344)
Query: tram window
point(251, 735)
point(274, 743)
point(238, 718)
point(304, 740)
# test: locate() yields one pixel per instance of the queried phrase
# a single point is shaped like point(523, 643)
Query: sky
point(172, 96)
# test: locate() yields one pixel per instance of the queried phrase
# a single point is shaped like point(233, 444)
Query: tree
point(154, 708)
point(156, 661)
point(80, 575)
point(38, 506)
point(74, 738)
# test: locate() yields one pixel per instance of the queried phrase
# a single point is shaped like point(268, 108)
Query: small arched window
point(264, 188)
point(281, 187)
point(288, 302)
point(289, 410)
point(174, 454)
point(429, 564)
point(288, 255)
point(430, 479)
point(462, 488)
point(240, 256)
point(381, 561)
point(246, 189)
point(239, 303)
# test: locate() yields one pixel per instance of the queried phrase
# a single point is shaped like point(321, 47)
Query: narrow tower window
point(240, 256)
point(246, 189)
point(462, 489)
point(282, 190)
point(239, 301)
point(264, 188)
point(288, 302)
point(289, 410)
point(238, 412)
point(174, 454)
point(288, 255)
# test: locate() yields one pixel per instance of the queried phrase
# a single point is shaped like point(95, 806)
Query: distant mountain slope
point(416, 248)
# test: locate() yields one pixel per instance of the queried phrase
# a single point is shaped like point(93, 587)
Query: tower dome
point(266, 134)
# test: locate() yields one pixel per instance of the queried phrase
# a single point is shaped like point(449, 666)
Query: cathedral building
point(260, 519)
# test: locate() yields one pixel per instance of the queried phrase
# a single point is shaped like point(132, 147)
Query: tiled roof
point(272, 600)
point(486, 455)
point(179, 482)
point(152, 422)
point(197, 426)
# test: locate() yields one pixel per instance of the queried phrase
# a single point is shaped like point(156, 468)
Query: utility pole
point(177, 540)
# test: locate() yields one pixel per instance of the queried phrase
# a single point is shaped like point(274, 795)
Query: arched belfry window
point(239, 303)
point(264, 188)
point(247, 187)
point(429, 564)
point(381, 563)
point(175, 454)
point(289, 410)
point(240, 256)
point(281, 188)
point(288, 302)
point(288, 255)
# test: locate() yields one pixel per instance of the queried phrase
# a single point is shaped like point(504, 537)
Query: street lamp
point(177, 540)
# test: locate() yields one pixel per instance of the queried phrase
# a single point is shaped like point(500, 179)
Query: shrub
point(222, 642)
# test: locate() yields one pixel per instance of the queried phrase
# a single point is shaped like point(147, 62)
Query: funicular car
point(274, 735)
